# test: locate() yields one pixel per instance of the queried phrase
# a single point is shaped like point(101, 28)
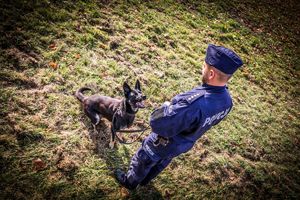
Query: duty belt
point(161, 141)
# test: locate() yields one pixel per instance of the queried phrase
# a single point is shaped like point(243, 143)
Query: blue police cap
point(223, 59)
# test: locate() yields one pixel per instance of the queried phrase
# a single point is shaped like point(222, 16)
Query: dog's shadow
point(101, 138)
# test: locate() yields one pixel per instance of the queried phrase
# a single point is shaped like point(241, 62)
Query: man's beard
point(204, 78)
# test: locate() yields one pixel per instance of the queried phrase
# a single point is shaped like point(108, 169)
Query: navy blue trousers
point(143, 169)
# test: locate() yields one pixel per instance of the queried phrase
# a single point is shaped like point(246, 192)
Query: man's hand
point(166, 103)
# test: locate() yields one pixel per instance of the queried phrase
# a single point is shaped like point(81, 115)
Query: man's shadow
point(114, 159)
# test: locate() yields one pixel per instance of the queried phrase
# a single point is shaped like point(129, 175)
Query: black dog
point(120, 112)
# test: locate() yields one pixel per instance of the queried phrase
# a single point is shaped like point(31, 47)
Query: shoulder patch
point(194, 97)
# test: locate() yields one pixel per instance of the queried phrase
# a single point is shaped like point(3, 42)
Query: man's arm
point(171, 119)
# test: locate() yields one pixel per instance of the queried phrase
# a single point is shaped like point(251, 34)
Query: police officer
point(178, 124)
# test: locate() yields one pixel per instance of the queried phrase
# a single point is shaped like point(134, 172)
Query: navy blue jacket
point(186, 118)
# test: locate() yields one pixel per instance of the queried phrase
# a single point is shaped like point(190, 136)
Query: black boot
point(121, 178)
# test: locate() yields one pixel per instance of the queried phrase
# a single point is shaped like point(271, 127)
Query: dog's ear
point(126, 89)
point(138, 85)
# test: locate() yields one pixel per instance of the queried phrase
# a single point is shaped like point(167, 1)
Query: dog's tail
point(79, 93)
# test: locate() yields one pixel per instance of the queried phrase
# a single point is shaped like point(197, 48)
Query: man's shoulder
point(197, 95)
point(189, 96)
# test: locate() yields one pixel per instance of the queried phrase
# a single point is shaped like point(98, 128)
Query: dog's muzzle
point(140, 104)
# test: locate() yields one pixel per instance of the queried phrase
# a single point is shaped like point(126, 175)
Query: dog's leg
point(94, 116)
point(95, 129)
point(115, 125)
point(112, 139)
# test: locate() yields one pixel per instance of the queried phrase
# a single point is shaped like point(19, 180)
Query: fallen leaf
point(54, 65)
point(103, 46)
point(104, 74)
point(78, 28)
point(124, 192)
point(52, 46)
point(77, 56)
point(39, 164)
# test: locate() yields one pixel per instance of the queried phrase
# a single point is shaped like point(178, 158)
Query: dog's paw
point(112, 145)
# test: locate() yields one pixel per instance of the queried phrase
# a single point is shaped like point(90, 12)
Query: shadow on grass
point(274, 18)
point(119, 157)
point(26, 27)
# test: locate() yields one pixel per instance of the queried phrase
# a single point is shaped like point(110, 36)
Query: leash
point(131, 131)
point(119, 109)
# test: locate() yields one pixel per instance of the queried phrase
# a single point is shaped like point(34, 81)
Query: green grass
point(252, 154)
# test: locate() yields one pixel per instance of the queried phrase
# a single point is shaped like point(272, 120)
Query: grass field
point(51, 48)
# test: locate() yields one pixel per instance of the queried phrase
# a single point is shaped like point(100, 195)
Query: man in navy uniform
point(178, 124)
